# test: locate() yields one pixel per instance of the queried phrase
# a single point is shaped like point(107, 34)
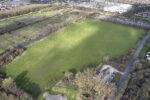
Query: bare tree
point(91, 86)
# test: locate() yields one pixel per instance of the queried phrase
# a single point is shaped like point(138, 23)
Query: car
point(148, 55)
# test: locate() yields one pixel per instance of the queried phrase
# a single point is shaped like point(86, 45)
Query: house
point(107, 73)
point(148, 56)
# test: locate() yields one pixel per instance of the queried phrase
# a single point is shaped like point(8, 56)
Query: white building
point(107, 73)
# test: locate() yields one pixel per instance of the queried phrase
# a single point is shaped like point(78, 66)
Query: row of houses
point(145, 14)
point(8, 5)
point(131, 1)
point(4, 7)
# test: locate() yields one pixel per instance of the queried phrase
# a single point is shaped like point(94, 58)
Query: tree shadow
point(90, 65)
point(25, 83)
point(73, 70)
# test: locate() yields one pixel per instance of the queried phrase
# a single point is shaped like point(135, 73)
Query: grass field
point(24, 34)
point(5, 44)
point(72, 48)
point(144, 51)
point(6, 22)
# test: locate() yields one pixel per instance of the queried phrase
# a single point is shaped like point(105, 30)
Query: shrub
point(4, 96)
point(90, 86)
point(69, 78)
point(7, 83)
point(106, 59)
point(22, 10)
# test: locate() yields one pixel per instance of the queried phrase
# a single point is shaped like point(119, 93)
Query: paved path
point(123, 78)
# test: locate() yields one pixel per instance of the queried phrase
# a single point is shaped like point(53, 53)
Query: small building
point(148, 56)
point(107, 73)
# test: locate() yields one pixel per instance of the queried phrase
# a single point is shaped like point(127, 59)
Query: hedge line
point(22, 10)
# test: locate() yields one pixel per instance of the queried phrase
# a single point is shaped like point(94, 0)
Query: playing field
point(72, 48)
point(33, 31)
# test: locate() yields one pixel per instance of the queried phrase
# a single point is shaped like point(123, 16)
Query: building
point(107, 73)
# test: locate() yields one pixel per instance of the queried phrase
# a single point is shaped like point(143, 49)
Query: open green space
point(29, 32)
point(144, 51)
point(39, 14)
point(73, 48)
point(5, 44)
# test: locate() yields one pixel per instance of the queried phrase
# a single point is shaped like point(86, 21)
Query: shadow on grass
point(24, 82)
point(89, 52)
point(73, 70)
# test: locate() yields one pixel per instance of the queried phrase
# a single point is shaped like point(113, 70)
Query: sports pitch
point(72, 48)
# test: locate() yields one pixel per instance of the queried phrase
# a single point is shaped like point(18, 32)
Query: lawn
point(12, 20)
point(24, 34)
point(72, 48)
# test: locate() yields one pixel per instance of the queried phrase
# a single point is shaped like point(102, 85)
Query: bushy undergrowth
point(10, 91)
point(22, 10)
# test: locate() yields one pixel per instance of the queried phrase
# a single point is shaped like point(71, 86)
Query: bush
point(91, 86)
point(4, 96)
point(7, 83)
point(105, 59)
point(22, 10)
point(69, 78)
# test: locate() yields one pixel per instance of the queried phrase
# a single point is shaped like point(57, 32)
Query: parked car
point(148, 56)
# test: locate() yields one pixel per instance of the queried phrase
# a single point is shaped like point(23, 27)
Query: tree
point(91, 86)
point(69, 78)
point(105, 59)
point(7, 83)
point(4, 96)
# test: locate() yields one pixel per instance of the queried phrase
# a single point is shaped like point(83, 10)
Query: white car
point(148, 55)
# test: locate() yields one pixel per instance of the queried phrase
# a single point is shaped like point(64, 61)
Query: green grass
point(24, 34)
point(145, 49)
point(5, 44)
point(32, 31)
point(6, 22)
point(71, 48)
